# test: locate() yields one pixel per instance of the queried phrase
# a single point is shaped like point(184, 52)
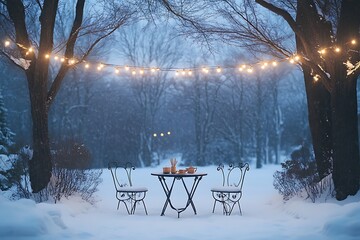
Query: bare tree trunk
point(259, 124)
point(37, 73)
point(40, 164)
point(346, 170)
point(318, 97)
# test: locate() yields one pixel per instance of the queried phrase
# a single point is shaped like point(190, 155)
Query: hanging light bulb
point(47, 56)
point(7, 43)
point(337, 49)
point(100, 67)
point(117, 71)
point(353, 42)
point(205, 70)
point(218, 70)
point(316, 78)
point(274, 63)
point(322, 51)
point(71, 61)
point(264, 65)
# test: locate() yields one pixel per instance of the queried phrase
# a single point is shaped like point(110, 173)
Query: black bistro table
point(168, 190)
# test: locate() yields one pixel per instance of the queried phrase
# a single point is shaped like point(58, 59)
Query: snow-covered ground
point(265, 215)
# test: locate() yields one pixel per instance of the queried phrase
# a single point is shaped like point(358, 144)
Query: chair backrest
point(121, 174)
point(235, 174)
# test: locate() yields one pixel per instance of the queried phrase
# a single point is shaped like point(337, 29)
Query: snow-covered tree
point(6, 135)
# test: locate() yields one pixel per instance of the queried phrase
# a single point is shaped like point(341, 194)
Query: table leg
point(167, 193)
point(192, 192)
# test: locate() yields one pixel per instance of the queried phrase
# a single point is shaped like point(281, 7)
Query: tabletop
point(160, 174)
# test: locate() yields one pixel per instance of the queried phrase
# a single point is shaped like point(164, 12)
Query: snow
point(265, 215)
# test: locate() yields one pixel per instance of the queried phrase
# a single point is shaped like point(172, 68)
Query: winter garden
point(166, 83)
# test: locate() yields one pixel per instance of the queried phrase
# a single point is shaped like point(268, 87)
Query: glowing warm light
point(155, 135)
point(168, 133)
point(176, 73)
point(316, 78)
point(71, 61)
point(100, 67)
point(264, 65)
point(162, 134)
point(205, 70)
point(140, 70)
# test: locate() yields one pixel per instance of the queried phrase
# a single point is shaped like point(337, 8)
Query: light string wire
point(180, 71)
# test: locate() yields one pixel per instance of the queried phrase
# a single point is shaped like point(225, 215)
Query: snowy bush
point(14, 174)
point(300, 178)
point(71, 175)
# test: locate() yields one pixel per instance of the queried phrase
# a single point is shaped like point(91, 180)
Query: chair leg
point(144, 207)
point(239, 208)
point(214, 206)
point(133, 208)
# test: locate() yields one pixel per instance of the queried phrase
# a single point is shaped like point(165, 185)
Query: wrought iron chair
point(125, 191)
point(230, 193)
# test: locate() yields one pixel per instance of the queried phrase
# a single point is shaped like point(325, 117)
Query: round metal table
point(168, 190)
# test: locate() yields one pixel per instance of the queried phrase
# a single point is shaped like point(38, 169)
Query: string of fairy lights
point(179, 71)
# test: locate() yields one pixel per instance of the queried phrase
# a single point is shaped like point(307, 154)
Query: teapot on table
point(191, 169)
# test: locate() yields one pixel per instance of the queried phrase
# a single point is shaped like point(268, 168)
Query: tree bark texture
point(37, 75)
point(333, 106)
